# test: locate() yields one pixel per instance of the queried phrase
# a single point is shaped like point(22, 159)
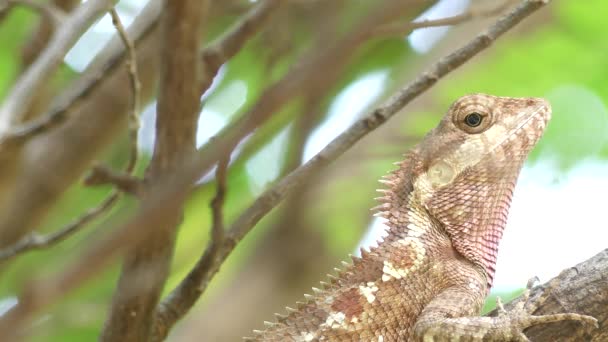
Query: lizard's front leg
point(450, 317)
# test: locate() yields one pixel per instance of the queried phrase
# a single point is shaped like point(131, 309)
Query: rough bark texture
point(582, 288)
point(147, 265)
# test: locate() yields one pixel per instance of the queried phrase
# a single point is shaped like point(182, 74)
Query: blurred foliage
point(564, 57)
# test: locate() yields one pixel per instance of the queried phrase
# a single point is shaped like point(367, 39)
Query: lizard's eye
point(473, 119)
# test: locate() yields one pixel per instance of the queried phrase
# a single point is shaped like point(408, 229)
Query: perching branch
point(582, 289)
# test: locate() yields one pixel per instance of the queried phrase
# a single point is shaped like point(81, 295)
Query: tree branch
point(146, 266)
point(583, 289)
point(20, 96)
point(180, 300)
point(35, 241)
point(124, 182)
point(392, 30)
point(233, 40)
point(91, 112)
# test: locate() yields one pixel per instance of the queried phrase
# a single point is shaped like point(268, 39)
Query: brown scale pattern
point(446, 207)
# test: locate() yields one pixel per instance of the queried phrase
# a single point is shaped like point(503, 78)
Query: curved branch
point(583, 289)
point(18, 99)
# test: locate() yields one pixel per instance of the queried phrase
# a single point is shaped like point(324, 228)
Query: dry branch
point(583, 289)
point(146, 266)
point(96, 107)
point(233, 40)
point(392, 30)
point(124, 182)
point(20, 96)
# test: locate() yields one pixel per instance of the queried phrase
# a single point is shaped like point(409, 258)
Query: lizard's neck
point(473, 224)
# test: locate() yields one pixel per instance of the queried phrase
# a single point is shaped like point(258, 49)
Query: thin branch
point(96, 106)
point(36, 242)
point(273, 196)
point(234, 39)
point(100, 175)
point(38, 293)
point(181, 299)
point(123, 181)
point(217, 204)
point(134, 123)
point(141, 29)
point(392, 30)
point(214, 56)
point(20, 96)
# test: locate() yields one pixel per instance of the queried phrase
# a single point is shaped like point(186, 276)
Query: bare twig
point(233, 40)
point(135, 86)
point(123, 181)
point(392, 30)
point(39, 293)
point(35, 241)
point(95, 106)
point(20, 96)
point(217, 204)
point(58, 114)
point(178, 303)
point(100, 175)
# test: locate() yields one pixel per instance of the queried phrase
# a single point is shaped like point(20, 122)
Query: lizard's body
point(446, 207)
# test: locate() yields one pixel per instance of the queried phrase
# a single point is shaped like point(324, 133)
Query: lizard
point(445, 206)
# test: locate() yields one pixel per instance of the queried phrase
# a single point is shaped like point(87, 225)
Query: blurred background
point(558, 211)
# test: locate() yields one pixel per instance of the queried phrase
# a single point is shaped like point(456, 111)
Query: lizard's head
point(470, 163)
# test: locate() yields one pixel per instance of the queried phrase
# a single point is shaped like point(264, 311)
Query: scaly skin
point(446, 207)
